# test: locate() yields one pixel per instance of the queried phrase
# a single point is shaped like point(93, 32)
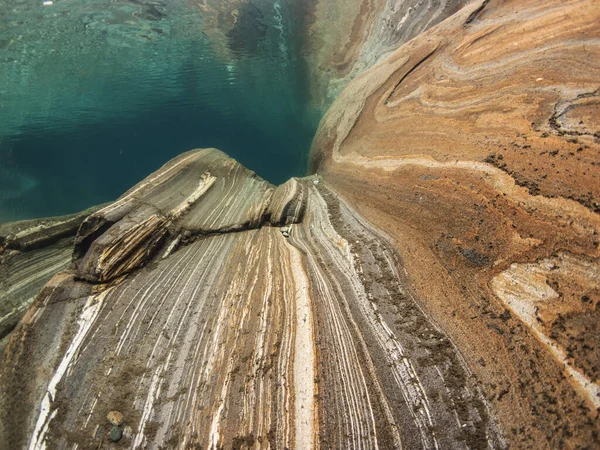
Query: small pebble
point(127, 432)
point(115, 434)
point(285, 231)
point(115, 417)
point(315, 181)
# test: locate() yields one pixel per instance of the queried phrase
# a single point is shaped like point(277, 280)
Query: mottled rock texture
point(476, 148)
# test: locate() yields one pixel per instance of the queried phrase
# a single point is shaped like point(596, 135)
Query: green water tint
point(94, 95)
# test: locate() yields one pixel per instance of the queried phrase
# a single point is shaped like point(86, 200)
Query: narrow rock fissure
point(407, 74)
point(475, 14)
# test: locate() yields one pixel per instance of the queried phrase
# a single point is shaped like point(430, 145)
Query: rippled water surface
point(94, 95)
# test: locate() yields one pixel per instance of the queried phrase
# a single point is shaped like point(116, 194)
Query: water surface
point(95, 95)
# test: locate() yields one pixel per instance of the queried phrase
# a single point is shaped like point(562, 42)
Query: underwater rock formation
point(32, 252)
point(435, 283)
point(346, 37)
point(476, 148)
point(240, 336)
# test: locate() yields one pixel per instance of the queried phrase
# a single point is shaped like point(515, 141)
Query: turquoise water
point(95, 95)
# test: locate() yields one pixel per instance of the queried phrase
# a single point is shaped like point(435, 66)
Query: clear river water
point(96, 94)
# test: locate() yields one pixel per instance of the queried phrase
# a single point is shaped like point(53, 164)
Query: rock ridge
point(200, 193)
point(249, 336)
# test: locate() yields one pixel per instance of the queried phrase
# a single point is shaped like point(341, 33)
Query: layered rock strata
point(476, 147)
point(32, 252)
point(434, 285)
point(346, 37)
point(207, 327)
point(165, 210)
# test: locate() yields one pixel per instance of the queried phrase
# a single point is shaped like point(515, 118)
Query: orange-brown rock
point(476, 147)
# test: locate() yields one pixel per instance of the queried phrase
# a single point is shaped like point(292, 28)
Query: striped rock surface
point(435, 285)
point(475, 146)
point(199, 193)
point(238, 337)
point(346, 37)
point(32, 252)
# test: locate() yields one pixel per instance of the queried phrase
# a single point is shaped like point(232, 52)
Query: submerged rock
point(115, 418)
point(199, 193)
point(285, 231)
point(237, 285)
point(431, 295)
point(32, 252)
point(116, 434)
point(455, 146)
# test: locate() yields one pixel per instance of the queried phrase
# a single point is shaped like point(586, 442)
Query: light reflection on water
point(93, 99)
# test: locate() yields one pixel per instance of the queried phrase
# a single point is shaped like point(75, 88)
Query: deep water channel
point(95, 95)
